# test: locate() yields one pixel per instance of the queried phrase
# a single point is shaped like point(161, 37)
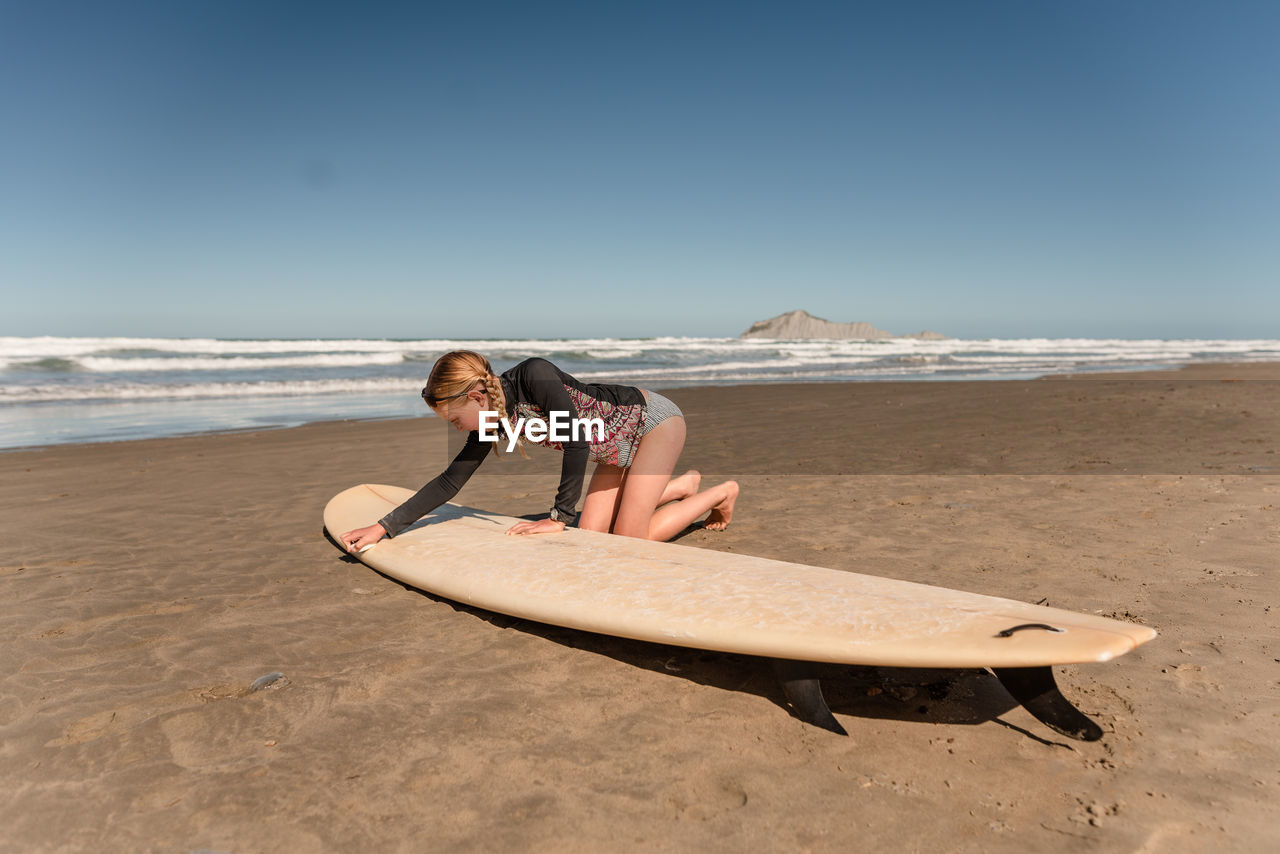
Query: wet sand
point(148, 584)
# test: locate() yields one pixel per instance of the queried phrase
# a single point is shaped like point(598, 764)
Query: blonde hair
point(456, 373)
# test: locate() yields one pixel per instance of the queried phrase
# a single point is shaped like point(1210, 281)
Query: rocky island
point(802, 324)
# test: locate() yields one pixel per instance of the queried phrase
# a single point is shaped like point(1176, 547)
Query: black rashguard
point(536, 387)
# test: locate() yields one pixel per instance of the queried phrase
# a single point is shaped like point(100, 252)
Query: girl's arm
point(443, 487)
point(438, 491)
point(545, 387)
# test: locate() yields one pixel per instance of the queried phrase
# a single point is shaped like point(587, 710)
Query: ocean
point(71, 390)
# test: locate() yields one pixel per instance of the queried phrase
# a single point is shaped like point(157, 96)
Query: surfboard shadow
point(449, 512)
point(916, 695)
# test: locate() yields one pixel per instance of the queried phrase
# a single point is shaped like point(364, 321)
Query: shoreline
point(1204, 372)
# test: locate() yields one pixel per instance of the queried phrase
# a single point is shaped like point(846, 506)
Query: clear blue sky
point(287, 169)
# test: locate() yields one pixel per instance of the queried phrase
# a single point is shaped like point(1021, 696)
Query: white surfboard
point(687, 596)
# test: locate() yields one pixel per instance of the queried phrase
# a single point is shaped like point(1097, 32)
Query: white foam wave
point(115, 364)
point(158, 391)
point(82, 365)
point(620, 353)
point(45, 347)
point(729, 367)
point(133, 350)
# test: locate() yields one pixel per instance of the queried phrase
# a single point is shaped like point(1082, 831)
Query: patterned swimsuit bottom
point(658, 410)
point(624, 426)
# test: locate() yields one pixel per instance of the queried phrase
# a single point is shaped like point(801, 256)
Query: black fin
point(800, 683)
point(1035, 689)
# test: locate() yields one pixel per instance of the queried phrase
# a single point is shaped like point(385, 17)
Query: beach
point(149, 583)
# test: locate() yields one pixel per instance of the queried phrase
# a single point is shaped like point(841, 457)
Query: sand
point(148, 584)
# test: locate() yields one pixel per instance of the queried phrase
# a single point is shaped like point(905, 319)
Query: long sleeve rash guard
point(536, 388)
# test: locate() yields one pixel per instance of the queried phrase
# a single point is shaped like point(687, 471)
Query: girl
point(631, 491)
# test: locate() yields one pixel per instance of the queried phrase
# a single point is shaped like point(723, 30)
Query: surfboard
point(688, 596)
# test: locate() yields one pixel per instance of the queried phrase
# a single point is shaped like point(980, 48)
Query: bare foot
point(720, 515)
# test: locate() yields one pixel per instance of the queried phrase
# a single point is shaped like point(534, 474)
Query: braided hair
point(456, 373)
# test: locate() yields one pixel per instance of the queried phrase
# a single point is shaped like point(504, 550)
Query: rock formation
point(802, 324)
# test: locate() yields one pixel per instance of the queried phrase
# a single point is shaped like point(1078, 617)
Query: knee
point(631, 530)
point(592, 523)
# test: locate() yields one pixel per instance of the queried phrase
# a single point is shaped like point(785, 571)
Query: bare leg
point(681, 487)
point(600, 507)
point(720, 515)
point(678, 487)
point(673, 518)
point(647, 481)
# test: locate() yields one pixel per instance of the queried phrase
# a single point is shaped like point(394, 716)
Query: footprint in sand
point(705, 799)
point(1191, 677)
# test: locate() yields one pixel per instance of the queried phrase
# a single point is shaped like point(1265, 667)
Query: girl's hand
point(361, 537)
point(542, 526)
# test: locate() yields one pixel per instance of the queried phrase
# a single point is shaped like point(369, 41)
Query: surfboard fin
point(800, 683)
point(1038, 693)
